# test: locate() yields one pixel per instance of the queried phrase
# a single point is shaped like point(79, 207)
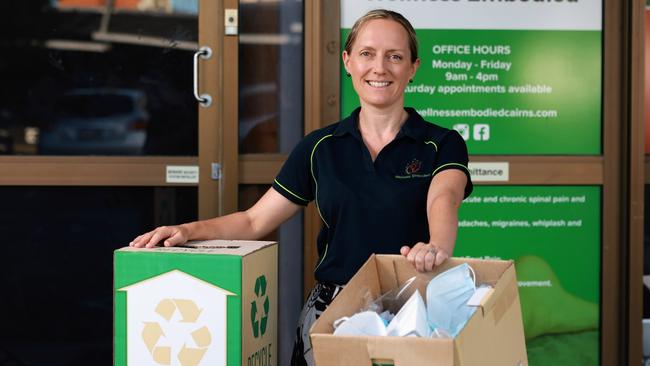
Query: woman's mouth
point(378, 84)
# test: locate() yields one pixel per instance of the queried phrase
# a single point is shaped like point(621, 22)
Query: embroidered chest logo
point(413, 167)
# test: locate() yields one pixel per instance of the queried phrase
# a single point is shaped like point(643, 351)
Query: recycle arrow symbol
point(151, 333)
point(260, 286)
point(188, 309)
point(191, 356)
point(254, 319)
point(265, 319)
point(202, 337)
point(166, 309)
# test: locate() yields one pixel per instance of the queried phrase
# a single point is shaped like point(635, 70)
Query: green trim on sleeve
point(432, 143)
point(448, 164)
point(311, 167)
point(288, 190)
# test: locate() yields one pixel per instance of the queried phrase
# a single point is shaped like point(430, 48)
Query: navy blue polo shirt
point(368, 207)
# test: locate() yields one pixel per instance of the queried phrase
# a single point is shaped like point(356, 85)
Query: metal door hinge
point(216, 171)
point(231, 22)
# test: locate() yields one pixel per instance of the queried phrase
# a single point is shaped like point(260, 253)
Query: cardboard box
point(206, 303)
point(493, 336)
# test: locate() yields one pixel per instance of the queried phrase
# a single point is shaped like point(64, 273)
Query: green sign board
point(522, 84)
point(553, 235)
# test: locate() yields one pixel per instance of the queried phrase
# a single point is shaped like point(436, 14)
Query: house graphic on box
point(176, 319)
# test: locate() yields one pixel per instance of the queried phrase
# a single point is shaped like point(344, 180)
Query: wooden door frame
point(322, 44)
point(623, 188)
point(218, 137)
point(634, 180)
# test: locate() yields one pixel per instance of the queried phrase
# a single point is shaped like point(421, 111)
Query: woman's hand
point(169, 235)
point(424, 257)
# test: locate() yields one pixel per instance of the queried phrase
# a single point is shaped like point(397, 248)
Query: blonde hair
point(384, 14)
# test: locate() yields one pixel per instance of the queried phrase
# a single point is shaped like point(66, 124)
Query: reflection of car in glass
point(100, 121)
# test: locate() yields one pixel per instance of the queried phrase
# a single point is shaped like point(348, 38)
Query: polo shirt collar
point(410, 128)
point(413, 126)
point(349, 125)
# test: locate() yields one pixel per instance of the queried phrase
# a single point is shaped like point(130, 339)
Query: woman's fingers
point(429, 259)
point(141, 240)
point(412, 254)
point(169, 236)
point(424, 257)
point(158, 235)
point(151, 238)
point(415, 256)
point(441, 256)
point(405, 250)
point(176, 238)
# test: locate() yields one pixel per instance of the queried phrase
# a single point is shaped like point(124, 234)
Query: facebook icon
point(481, 132)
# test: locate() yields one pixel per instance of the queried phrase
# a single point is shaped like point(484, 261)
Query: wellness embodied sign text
point(516, 77)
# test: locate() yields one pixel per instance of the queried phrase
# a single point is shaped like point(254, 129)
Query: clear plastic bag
point(388, 304)
point(394, 299)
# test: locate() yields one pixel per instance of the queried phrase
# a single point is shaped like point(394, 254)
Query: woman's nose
point(379, 66)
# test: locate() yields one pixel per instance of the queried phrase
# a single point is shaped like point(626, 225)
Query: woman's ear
point(346, 60)
point(415, 65)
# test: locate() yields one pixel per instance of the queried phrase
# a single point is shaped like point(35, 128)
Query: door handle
point(205, 52)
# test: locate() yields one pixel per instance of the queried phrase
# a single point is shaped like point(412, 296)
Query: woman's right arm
point(265, 216)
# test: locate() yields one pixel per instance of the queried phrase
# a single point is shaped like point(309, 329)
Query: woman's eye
point(365, 53)
point(396, 57)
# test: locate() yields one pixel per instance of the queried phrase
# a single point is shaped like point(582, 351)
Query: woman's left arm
point(443, 200)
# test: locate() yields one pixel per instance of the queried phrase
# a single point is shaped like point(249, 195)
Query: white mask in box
point(366, 323)
point(411, 320)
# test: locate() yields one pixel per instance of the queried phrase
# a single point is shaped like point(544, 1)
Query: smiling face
point(380, 64)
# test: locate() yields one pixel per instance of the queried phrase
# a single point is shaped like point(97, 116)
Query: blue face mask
point(447, 296)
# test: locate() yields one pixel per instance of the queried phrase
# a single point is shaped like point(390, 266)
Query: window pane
point(270, 76)
point(82, 79)
point(56, 267)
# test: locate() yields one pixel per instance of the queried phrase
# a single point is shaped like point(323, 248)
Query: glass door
point(101, 138)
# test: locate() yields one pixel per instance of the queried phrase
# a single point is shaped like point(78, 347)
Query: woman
point(381, 178)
